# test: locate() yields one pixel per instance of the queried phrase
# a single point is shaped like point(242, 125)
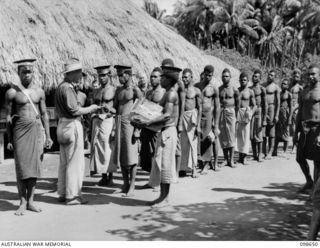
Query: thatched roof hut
point(96, 32)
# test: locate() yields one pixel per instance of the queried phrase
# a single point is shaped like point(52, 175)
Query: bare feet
point(156, 189)
point(305, 188)
point(33, 208)
point(21, 210)
point(161, 204)
point(268, 157)
point(76, 201)
point(204, 171)
point(129, 194)
point(195, 174)
point(146, 186)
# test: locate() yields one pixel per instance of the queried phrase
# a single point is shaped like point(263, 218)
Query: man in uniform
point(259, 117)
point(25, 125)
point(247, 107)
point(308, 125)
point(295, 91)
point(70, 135)
point(164, 169)
point(126, 148)
point(229, 99)
point(209, 123)
point(273, 104)
point(102, 126)
point(191, 125)
point(285, 117)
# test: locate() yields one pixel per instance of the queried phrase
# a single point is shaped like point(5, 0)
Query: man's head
point(124, 73)
point(314, 74)
point(167, 63)
point(271, 76)
point(244, 79)
point(95, 84)
point(226, 76)
point(208, 73)
point(155, 77)
point(296, 75)
point(103, 74)
point(170, 76)
point(256, 77)
point(73, 70)
point(187, 76)
point(285, 84)
point(142, 83)
point(25, 71)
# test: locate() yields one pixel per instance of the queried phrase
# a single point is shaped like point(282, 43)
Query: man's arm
point(298, 119)
point(199, 108)
point(8, 103)
point(277, 102)
point(236, 95)
point(216, 109)
point(45, 118)
point(264, 106)
point(252, 101)
point(182, 98)
point(290, 105)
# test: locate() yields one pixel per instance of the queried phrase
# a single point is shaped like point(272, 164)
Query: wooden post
point(1, 147)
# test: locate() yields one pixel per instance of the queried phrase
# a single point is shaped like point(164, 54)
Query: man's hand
point(290, 121)
point(136, 134)
point(276, 119)
point(112, 135)
point(318, 141)
point(179, 129)
point(48, 143)
point(94, 108)
point(264, 123)
point(10, 147)
point(295, 138)
point(216, 131)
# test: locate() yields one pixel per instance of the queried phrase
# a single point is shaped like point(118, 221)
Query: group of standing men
point(196, 120)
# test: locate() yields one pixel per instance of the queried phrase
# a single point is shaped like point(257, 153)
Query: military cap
point(27, 63)
point(123, 69)
point(167, 62)
point(103, 69)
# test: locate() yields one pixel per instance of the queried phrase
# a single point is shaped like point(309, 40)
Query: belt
point(69, 119)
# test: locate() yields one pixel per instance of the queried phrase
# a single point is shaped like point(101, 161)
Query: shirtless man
point(259, 117)
point(143, 85)
point(165, 168)
point(179, 86)
point(209, 123)
point(148, 137)
point(246, 110)
point(295, 91)
point(102, 125)
point(191, 125)
point(285, 118)
point(308, 125)
point(24, 125)
point(126, 150)
point(273, 106)
point(229, 99)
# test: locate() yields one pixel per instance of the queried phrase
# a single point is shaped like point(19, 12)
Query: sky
point(163, 4)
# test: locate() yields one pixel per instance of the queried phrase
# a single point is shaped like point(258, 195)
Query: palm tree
point(195, 18)
point(234, 19)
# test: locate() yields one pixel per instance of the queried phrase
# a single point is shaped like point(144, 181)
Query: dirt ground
point(253, 202)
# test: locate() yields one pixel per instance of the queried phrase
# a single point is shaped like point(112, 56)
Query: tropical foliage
point(277, 32)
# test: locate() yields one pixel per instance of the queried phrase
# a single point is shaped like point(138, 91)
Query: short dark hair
point(314, 66)
point(244, 74)
point(187, 70)
point(167, 62)
point(157, 69)
point(226, 70)
point(272, 71)
point(257, 71)
point(209, 69)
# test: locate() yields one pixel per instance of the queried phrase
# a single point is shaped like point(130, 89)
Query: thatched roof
point(96, 32)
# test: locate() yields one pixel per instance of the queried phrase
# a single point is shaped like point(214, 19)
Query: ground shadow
point(255, 215)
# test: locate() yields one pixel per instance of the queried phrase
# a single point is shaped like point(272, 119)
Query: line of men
point(195, 119)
